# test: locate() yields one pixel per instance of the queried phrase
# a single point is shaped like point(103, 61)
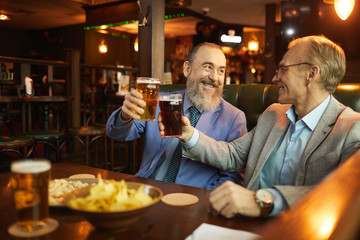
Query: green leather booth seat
point(253, 99)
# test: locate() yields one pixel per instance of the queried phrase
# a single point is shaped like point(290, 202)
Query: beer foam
point(147, 80)
point(170, 100)
point(30, 166)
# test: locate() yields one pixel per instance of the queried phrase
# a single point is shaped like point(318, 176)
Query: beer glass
point(149, 88)
point(30, 184)
point(171, 112)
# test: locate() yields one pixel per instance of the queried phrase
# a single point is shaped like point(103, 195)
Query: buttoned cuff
point(119, 122)
point(193, 140)
point(279, 202)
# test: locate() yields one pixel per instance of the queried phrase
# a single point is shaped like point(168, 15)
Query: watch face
point(264, 196)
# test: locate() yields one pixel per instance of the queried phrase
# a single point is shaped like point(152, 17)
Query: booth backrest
point(253, 99)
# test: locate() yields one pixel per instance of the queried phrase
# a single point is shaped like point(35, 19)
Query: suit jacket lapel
point(321, 131)
point(275, 135)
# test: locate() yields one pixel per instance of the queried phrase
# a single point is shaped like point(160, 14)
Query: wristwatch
point(265, 201)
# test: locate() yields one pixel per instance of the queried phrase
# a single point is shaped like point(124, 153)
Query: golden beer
point(30, 184)
point(149, 88)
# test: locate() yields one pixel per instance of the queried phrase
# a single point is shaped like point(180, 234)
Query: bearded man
point(205, 73)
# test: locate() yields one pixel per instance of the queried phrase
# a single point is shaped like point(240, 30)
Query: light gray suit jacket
point(335, 138)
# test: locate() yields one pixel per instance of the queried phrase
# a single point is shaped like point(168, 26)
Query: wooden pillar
point(73, 57)
point(270, 43)
point(158, 41)
point(144, 35)
point(151, 39)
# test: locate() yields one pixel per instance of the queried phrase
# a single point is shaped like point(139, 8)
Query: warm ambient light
point(103, 47)
point(136, 45)
point(4, 17)
point(344, 8)
point(226, 49)
point(253, 46)
point(349, 87)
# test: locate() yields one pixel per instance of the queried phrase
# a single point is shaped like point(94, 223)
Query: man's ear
point(186, 68)
point(313, 74)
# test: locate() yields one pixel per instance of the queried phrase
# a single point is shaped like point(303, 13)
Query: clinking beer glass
point(30, 184)
point(149, 88)
point(171, 112)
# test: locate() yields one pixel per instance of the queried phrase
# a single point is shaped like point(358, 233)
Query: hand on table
point(230, 199)
point(132, 105)
point(187, 129)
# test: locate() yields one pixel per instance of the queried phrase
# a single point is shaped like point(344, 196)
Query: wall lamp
point(103, 47)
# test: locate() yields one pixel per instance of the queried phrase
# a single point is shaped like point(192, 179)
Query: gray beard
point(199, 99)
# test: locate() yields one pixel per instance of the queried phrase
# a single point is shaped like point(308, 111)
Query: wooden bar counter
point(160, 222)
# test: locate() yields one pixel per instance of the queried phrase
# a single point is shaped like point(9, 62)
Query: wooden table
point(45, 100)
point(27, 100)
point(6, 99)
point(168, 222)
point(3, 115)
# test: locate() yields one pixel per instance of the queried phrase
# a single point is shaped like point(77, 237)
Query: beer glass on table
point(30, 184)
point(171, 112)
point(149, 88)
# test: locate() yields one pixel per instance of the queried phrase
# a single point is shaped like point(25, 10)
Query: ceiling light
point(177, 3)
point(290, 31)
point(344, 8)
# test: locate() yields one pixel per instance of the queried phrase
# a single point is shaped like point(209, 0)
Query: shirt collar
point(312, 118)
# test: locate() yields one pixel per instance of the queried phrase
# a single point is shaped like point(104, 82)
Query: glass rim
point(170, 97)
point(30, 166)
point(148, 80)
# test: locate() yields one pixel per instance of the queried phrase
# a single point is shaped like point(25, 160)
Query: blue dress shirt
point(163, 164)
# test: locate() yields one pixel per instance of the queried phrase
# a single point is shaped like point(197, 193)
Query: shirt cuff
point(279, 202)
point(119, 122)
point(193, 140)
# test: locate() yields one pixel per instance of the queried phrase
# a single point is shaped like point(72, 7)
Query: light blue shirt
point(283, 163)
point(282, 166)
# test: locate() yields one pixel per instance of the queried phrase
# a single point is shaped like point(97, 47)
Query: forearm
point(121, 130)
point(220, 154)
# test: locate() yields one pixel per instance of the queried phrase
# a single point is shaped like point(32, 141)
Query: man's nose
point(275, 79)
point(214, 74)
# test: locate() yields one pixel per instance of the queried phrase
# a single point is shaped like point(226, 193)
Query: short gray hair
point(329, 56)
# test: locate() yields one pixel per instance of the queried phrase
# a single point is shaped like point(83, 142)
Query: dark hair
point(195, 49)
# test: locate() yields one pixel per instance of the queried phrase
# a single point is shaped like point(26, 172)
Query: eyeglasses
point(283, 67)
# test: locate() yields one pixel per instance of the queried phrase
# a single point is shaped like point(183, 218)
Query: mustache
point(209, 82)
